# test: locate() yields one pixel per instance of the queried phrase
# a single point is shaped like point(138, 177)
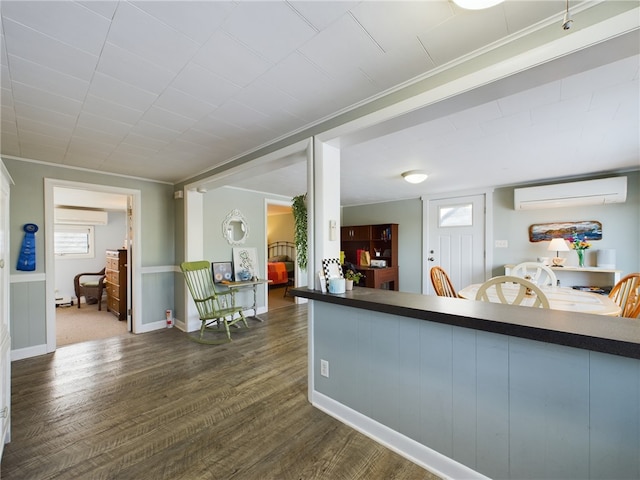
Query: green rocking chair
point(213, 306)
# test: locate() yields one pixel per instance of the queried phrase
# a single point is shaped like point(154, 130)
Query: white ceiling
point(166, 90)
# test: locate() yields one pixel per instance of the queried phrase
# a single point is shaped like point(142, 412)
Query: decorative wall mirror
point(235, 228)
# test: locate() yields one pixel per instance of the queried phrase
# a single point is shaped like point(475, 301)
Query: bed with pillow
point(281, 262)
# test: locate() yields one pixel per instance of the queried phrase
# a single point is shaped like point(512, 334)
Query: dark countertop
point(600, 333)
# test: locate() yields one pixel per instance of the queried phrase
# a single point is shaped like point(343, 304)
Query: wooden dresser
point(116, 272)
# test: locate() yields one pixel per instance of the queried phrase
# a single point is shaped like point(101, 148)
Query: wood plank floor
point(159, 406)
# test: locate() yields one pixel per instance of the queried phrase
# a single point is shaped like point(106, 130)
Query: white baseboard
point(249, 312)
point(418, 453)
point(153, 326)
point(28, 352)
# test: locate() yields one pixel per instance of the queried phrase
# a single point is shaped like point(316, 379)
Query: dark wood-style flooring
point(159, 406)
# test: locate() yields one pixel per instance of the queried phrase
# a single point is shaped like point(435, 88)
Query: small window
point(456, 215)
point(71, 241)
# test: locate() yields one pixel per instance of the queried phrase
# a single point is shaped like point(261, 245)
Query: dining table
point(560, 298)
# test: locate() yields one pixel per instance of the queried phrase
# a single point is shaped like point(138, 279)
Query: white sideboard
point(581, 276)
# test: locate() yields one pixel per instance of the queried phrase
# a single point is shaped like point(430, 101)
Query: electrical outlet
point(324, 368)
point(502, 243)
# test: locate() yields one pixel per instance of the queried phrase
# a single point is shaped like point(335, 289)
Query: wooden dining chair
point(503, 287)
point(540, 274)
point(626, 293)
point(213, 307)
point(442, 283)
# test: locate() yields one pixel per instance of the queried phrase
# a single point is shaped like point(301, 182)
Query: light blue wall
point(505, 407)
point(408, 215)
point(158, 295)
point(620, 225)
point(27, 205)
point(27, 314)
point(217, 205)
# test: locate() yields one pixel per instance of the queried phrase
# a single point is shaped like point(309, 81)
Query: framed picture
point(245, 263)
point(222, 272)
point(544, 232)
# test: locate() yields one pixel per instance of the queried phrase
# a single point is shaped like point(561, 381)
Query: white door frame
point(134, 301)
point(488, 230)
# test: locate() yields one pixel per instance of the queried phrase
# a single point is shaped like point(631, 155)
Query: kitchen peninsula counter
point(475, 389)
point(613, 335)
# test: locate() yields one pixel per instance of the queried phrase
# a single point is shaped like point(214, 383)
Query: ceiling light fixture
point(415, 176)
point(566, 21)
point(476, 4)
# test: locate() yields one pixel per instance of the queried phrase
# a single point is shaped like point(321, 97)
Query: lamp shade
point(559, 245)
point(415, 176)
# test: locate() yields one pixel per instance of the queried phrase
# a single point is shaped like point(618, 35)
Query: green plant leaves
point(299, 208)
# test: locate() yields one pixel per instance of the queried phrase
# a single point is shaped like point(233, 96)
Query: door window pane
point(456, 215)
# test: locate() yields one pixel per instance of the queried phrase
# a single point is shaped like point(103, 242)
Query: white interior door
point(456, 239)
point(5, 337)
point(4, 251)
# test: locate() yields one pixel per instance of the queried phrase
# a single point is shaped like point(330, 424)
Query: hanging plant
point(299, 209)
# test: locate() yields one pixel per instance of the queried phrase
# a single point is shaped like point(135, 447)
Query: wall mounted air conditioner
point(76, 216)
point(573, 194)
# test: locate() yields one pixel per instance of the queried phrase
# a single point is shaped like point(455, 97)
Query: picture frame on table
point(222, 272)
point(331, 268)
point(245, 263)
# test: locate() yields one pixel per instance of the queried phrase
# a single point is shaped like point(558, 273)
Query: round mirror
point(235, 228)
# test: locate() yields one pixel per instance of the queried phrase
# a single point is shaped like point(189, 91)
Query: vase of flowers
point(579, 245)
point(352, 277)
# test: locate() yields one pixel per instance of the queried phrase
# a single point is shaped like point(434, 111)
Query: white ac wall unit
point(573, 194)
point(75, 216)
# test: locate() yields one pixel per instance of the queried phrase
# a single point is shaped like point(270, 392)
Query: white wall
point(620, 229)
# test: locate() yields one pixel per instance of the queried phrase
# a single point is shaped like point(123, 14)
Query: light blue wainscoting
point(506, 407)
point(27, 313)
point(157, 296)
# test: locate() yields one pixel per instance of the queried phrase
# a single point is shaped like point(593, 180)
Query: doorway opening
point(280, 234)
point(87, 225)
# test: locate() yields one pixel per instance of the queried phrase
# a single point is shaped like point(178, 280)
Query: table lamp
point(559, 245)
